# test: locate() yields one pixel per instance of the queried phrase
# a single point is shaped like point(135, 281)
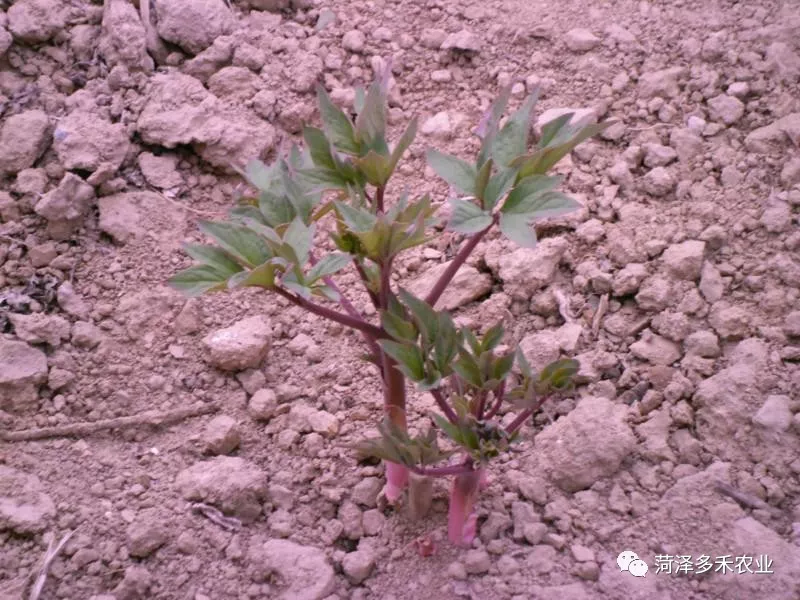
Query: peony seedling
point(343, 174)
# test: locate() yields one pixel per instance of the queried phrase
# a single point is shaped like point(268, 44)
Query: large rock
point(300, 572)
point(241, 346)
point(23, 139)
point(467, 285)
point(527, 270)
point(193, 24)
point(232, 484)
point(181, 111)
point(24, 506)
point(22, 369)
point(586, 445)
point(132, 217)
point(87, 141)
point(36, 21)
point(65, 206)
point(124, 39)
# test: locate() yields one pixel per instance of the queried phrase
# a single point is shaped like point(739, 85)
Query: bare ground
point(682, 440)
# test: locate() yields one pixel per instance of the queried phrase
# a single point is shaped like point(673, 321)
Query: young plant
point(343, 175)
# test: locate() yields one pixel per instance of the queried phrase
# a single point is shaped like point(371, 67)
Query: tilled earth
point(676, 287)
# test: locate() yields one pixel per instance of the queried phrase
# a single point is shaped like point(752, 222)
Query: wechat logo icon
point(630, 562)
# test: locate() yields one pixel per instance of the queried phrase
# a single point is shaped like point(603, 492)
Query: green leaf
point(517, 229)
point(498, 187)
point(239, 242)
point(423, 314)
point(375, 168)
point(300, 238)
point(451, 430)
point(260, 175)
point(468, 217)
point(403, 144)
point(398, 328)
point(489, 126)
point(198, 280)
point(545, 158)
point(263, 275)
point(482, 180)
point(524, 365)
point(370, 128)
point(408, 357)
point(446, 344)
point(558, 375)
point(214, 257)
point(458, 173)
point(360, 99)
point(553, 204)
point(301, 200)
point(512, 140)
point(524, 197)
point(551, 128)
point(467, 368)
point(326, 291)
point(502, 366)
point(492, 338)
point(328, 265)
point(356, 219)
point(320, 148)
point(275, 210)
point(337, 124)
point(321, 179)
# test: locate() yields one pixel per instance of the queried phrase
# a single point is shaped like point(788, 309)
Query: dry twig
point(150, 417)
point(745, 499)
point(602, 307)
point(214, 515)
point(49, 557)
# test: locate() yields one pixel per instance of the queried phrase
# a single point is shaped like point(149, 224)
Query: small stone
point(243, 345)
point(775, 413)
point(65, 206)
point(145, 537)
point(262, 405)
point(586, 445)
point(358, 565)
point(711, 286)
point(777, 217)
point(323, 422)
point(702, 343)
point(463, 40)
point(70, 302)
point(160, 171)
point(303, 572)
point(36, 21)
point(40, 328)
point(438, 126)
point(791, 325)
point(581, 553)
point(366, 491)
point(86, 335)
point(23, 369)
point(373, 522)
point(581, 40)
point(730, 322)
point(194, 24)
point(657, 155)
point(221, 435)
point(477, 562)
point(457, 571)
point(534, 533)
point(25, 508)
point(42, 255)
point(658, 182)
point(467, 285)
point(727, 109)
point(252, 380)
point(234, 485)
point(354, 41)
point(685, 260)
point(441, 76)
point(86, 141)
point(433, 38)
point(655, 349)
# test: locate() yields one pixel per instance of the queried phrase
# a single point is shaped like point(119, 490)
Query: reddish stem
point(524, 416)
point(443, 405)
point(499, 394)
point(379, 191)
point(461, 518)
point(444, 471)
point(347, 320)
point(394, 403)
point(363, 274)
point(460, 258)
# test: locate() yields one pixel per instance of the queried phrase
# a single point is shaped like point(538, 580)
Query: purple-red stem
point(499, 394)
point(379, 198)
point(461, 518)
point(460, 258)
point(363, 274)
point(322, 311)
point(444, 471)
point(443, 405)
point(524, 416)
